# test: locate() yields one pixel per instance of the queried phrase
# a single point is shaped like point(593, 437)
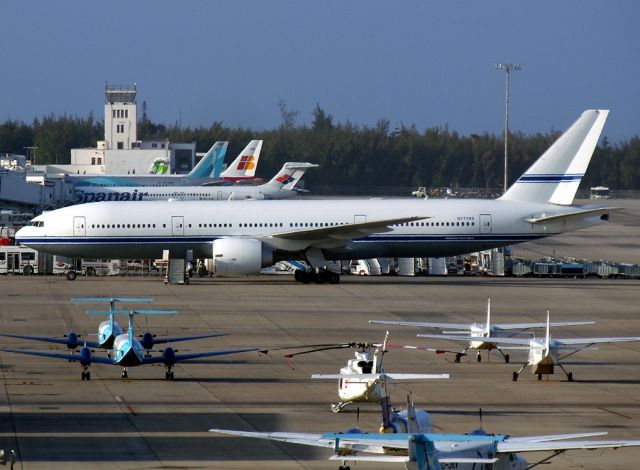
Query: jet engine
point(240, 257)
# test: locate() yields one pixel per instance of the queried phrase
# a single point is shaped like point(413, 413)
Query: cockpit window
point(37, 223)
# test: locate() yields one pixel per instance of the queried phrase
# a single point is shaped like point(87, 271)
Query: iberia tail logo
point(285, 179)
point(247, 162)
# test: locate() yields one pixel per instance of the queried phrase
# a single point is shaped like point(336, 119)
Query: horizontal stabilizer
point(568, 216)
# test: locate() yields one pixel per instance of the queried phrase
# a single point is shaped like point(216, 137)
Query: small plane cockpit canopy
point(37, 223)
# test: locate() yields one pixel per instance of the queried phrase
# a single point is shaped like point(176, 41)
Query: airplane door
point(485, 223)
point(177, 222)
point(359, 219)
point(79, 225)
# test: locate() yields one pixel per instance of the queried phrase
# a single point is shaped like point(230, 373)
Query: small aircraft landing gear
point(168, 375)
point(344, 466)
point(458, 357)
point(515, 376)
point(539, 376)
point(569, 374)
point(125, 374)
point(506, 359)
point(479, 357)
point(338, 407)
point(86, 375)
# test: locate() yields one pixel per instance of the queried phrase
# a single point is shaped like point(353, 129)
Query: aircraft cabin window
point(163, 225)
point(154, 225)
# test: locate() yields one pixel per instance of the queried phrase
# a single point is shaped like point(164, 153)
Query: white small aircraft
point(544, 353)
point(420, 450)
point(127, 350)
point(363, 380)
point(476, 329)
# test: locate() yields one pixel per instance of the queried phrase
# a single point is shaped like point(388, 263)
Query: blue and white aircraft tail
point(554, 178)
point(289, 175)
point(210, 165)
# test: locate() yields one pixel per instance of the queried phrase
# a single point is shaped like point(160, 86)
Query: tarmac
point(53, 419)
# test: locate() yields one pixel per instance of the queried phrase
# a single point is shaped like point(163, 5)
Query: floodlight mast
point(507, 71)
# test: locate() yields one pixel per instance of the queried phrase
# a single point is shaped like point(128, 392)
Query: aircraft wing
point(578, 341)
point(523, 445)
point(67, 357)
point(175, 339)
point(391, 376)
point(333, 236)
point(556, 437)
point(186, 357)
point(485, 339)
point(421, 324)
point(526, 326)
point(568, 216)
point(47, 339)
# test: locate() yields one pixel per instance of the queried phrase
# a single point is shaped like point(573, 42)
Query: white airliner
point(281, 186)
point(244, 236)
point(463, 331)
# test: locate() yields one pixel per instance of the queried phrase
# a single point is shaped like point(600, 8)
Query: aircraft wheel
point(458, 357)
point(297, 275)
point(506, 358)
point(334, 278)
point(124, 374)
point(515, 377)
point(71, 275)
point(306, 277)
point(171, 376)
point(83, 375)
point(479, 358)
point(166, 376)
point(88, 375)
point(539, 376)
point(570, 376)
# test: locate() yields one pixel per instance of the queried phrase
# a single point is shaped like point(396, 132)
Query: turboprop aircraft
point(243, 238)
point(363, 380)
point(428, 451)
point(206, 169)
point(456, 331)
point(128, 351)
point(281, 186)
point(109, 329)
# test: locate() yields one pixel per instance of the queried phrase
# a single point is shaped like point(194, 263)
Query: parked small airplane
point(109, 329)
point(485, 330)
point(428, 451)
point(544, 353)
point(363, 380)
point(281, 186)
point(128, 350)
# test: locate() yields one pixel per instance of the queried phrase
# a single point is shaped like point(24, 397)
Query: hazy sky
point(410, 61)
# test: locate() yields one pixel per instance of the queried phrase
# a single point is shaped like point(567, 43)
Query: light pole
point(507, 71)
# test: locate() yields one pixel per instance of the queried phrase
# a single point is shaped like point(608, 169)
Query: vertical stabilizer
point(213, 159)
point(556, 175)
point(289, 175)
point(245, 164)
point(547, 337)
point(412, 421)
point(488, 325)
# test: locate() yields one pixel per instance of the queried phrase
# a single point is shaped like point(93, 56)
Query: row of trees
point(348, 154)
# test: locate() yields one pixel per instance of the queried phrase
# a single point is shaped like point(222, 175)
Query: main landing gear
point(319, 276)
point(338, 407)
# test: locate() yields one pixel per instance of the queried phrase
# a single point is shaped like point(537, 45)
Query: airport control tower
point(120, 117)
